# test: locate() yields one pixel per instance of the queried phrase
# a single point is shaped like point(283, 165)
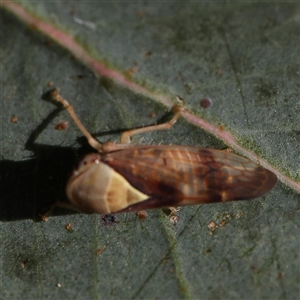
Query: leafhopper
point(125, 177)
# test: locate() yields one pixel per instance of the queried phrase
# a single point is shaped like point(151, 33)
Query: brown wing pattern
point(178, 175)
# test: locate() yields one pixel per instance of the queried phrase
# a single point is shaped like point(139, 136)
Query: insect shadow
point(28, 188)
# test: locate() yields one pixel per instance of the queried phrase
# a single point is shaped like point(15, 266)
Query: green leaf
point(242, 56)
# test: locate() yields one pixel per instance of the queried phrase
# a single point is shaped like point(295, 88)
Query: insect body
point(146, 177)
point(123, 177)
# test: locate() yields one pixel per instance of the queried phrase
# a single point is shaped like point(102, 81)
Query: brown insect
point(124, 177)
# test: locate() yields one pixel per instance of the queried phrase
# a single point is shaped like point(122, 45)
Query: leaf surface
point(242, 56)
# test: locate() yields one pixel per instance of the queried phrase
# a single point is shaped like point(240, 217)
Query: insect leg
point(92, 141)
point(176, 109)
point(69, 206)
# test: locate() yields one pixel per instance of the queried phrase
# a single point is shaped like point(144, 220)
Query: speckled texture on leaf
point(243, 56)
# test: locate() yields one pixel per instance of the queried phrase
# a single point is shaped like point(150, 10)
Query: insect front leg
point(56, 204)
point(176, 109)
point(91, 140)
point(126, 135)
point(125, 138)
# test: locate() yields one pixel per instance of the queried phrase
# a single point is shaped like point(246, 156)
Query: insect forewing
point(178, 175)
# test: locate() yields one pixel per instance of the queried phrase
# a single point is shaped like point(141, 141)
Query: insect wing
point(178, 175)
